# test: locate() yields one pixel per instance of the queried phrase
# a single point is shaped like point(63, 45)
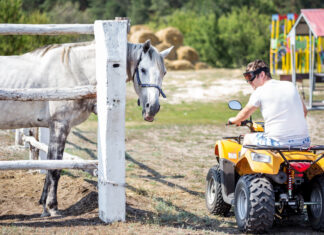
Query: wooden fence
point(111, 48)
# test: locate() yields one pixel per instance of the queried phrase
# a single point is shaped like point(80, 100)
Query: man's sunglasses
point(251, 75)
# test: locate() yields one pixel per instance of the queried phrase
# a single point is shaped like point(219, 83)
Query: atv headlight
point(258, 157)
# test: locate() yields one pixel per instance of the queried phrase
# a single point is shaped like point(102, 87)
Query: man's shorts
point(261, 139)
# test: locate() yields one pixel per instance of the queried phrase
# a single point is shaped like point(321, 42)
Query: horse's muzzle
point(150, 110)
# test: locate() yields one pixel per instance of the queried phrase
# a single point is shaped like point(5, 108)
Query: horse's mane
point(66, 48)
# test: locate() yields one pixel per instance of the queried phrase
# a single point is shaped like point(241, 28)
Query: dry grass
point(166, 166)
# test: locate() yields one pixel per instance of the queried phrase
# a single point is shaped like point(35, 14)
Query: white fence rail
point(45, 29)
point(48, 164)
point(111, 48)
point(42, 94)
point(91, 166)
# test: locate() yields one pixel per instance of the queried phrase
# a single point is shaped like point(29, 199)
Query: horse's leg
point(58, 134)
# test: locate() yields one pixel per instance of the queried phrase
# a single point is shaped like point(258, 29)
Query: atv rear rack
point(284, 148)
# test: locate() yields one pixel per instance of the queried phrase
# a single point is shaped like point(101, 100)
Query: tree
point(199, 32)
point(101, 9)
point(139, 12)
point(10, 12)
point(244, 36)
point(68, 13)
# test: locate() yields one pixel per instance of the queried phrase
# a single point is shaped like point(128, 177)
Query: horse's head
point(148, 76)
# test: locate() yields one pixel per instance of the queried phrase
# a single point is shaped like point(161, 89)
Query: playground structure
point(280, 49)
point(297, 50)
point(310, 23)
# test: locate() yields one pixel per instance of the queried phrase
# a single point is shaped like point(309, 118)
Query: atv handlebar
point(253, 126)
point(243, 123)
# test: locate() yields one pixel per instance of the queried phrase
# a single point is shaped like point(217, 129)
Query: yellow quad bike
point(265, 182)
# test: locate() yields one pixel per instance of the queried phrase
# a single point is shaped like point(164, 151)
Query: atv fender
point(227, 149)
point(228, 180)
point(246, 165)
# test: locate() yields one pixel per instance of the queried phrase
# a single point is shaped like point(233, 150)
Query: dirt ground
point(165, 168)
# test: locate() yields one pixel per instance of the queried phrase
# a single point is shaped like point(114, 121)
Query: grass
point(189, 114)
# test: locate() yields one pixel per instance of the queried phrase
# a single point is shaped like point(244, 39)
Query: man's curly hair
point(254, 65)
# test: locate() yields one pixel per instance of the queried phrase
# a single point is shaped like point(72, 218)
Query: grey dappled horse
point(70, 65)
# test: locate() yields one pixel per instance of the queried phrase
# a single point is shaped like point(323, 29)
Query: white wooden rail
point(48, 164)
point(41, 94)
point(92, 168)
point(111, 49)
point(45, 29)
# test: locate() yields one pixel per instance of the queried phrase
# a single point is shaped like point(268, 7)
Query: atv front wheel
point(213, 195)
point(254, 204)
point(316, 212)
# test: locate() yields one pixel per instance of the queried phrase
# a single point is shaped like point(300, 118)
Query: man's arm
point(244, 114)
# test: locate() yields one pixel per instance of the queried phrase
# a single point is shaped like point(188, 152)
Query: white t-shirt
point(282, 110)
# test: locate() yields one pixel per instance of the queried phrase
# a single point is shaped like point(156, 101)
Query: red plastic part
point(300, 166)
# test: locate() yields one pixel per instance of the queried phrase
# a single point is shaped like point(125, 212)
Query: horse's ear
point(166, 52)
point(146, 45)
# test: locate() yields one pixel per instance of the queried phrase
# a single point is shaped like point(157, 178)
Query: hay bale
point(180, 65)
point(163, 46)
point(143, 35)
point(187, 53)
point(170, 35)
point(201, 65)
point(138, 27)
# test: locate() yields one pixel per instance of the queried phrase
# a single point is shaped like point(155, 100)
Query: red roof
point(315, 19)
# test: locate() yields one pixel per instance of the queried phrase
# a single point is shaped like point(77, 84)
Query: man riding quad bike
point(264, 182)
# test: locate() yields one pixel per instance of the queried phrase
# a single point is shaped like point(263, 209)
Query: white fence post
point(111, 52)
point(19, 134)
point(43, 138)
point(18, 137)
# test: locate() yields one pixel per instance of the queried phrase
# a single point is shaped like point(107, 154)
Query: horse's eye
point(143, 70)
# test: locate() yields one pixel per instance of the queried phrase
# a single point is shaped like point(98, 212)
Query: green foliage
point(284, 7)
point(101, 9)
point(198, 30)
point(226, 33)
point(138, 11)
point(68, 13)
point(11, 12)
point(232, 40)
point(244, 36)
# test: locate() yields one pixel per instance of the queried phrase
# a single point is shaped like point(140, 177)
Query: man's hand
point(232, 121)
point(244, 114)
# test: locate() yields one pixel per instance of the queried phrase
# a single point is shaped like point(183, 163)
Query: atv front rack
point(281, 149)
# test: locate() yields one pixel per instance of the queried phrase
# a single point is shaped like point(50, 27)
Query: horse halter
point(146, 84)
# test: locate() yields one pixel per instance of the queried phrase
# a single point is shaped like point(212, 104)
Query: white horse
point(70, 65)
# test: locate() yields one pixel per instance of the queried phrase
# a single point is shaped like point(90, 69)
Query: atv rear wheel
point(316, 212)
point(213, 195)
point(254, 204)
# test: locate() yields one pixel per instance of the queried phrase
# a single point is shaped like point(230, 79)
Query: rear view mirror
point(235, 105)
